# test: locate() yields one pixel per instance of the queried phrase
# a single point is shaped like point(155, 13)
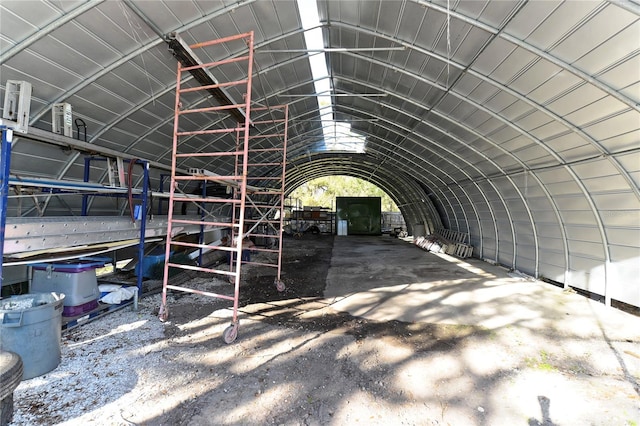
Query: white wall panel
point(616, 201)
point(546, 230)
point(555, 244)
point(585, 248)
point(552, 272)
point(583, 233)
point(588, 276)
point(606, 184)
point(505, 255)
point(624, 237)
point(552, 257)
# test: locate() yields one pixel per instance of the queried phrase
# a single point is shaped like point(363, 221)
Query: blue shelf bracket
point(143, 220)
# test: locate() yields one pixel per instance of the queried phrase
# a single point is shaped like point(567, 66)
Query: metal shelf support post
point(5, 162)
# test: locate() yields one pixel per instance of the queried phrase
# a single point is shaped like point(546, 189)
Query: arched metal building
point(517, 122)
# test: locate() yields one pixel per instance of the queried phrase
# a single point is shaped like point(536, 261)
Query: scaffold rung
point(273, 135)
point(267, 121)
point(203, 223)
point(261, 221)
point(266, 149)
point(196, 176)
point(217, 63)
point(263, 178)
point(203, 132)
point(269, 265)
point(204, 293)
point(212, 109)
point(264, 250)
point(213, 86)
point(199, 268)
point(206, 200)
point(209, 154)
point(266, 193)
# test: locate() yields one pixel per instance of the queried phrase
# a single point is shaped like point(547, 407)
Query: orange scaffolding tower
point(253, 205)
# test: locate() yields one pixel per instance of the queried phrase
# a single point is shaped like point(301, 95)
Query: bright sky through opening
point(337, 136)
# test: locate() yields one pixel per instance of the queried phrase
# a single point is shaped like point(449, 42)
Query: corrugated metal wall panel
point(625, 288)
point(584, 279)
point(567, 203)
point(628, 237)
point(526, 260)
point(621, 124)
point(585, 248)
point(617, 201)
point(547, 230)
point(555, 244)
point(623, 253)
point(578, 217)
point(551, 272)
point(583, 233)
point(606, 184)
point(624, 272)
point(628, 219)
point(553, 255)
point(505, 255)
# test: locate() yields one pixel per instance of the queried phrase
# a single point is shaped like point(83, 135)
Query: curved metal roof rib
point(517, 122)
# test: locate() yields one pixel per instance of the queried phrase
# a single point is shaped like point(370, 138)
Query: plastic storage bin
point(149, 262)
point(76, 280)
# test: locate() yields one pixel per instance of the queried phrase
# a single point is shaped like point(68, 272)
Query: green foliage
point(323, 191)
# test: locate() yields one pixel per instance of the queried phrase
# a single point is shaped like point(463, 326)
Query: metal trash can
point(31, 326)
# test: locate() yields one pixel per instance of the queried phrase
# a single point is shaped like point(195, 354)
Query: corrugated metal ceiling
point(516, 121)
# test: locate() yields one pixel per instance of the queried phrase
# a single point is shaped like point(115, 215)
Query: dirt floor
point(370, 330)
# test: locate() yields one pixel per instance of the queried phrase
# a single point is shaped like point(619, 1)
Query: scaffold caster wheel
point(230, 333)
point(280, 286)
point(163, 313)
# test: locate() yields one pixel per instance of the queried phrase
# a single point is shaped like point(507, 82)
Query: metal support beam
point(5, 161)
point(335, 49)
point(59, 234)
point(189, 59)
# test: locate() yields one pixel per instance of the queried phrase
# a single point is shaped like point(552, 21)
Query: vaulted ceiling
point(515, 121)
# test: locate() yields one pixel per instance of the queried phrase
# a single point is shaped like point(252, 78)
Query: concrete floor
point(571, 359)
point(383, 278)
point(370, 330)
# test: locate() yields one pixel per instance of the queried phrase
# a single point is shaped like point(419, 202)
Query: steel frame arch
point(104, 71)
point(527, 46)
point(362, 159)
point(432, 185)
point(480, 154)
point(482, 193)
point(499, 86)
point(48, 29)
point(316, 168)
point(538, 142)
